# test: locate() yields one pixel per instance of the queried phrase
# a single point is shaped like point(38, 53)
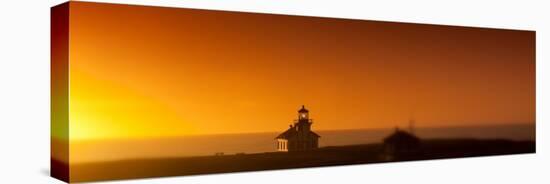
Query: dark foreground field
point(327, 156)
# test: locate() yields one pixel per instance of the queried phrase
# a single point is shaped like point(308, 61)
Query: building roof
point(292, 132)
point(314, 134)
point(303, 109)
point(400, 136)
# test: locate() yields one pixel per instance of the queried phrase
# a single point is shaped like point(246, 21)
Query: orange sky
point(140, 71)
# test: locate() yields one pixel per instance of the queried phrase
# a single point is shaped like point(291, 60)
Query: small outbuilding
point(401, 144)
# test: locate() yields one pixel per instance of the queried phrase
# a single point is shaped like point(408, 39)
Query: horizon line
point(279, 131)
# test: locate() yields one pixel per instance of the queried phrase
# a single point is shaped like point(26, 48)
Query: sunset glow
point(153, 72)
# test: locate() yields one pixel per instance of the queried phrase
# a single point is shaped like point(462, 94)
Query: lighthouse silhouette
point(298, 137)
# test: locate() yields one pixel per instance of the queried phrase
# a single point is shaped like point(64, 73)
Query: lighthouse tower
point(299, 136)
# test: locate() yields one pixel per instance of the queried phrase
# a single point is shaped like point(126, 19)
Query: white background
point(24, 90)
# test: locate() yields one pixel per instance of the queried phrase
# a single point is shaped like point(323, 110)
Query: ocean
point(108, 150)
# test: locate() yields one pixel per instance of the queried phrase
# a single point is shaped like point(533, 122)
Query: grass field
point(326, 156)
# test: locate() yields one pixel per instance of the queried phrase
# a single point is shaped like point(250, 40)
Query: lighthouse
point(298, 137)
